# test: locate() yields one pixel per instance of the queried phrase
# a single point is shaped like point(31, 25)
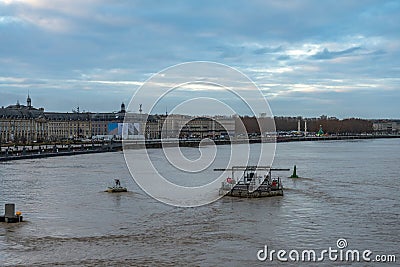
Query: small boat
point(116, 188)
point(255, 181)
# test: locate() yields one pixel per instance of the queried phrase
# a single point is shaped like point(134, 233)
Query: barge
point(251, 182)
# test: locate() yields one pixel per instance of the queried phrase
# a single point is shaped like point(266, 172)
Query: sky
point(308, 58)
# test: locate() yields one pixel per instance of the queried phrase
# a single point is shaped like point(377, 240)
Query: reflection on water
point(349, 190)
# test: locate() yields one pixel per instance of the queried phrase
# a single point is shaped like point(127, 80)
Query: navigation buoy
point(294, 175)
point(10, 215)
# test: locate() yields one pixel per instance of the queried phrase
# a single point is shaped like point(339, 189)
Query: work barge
point(252, 182)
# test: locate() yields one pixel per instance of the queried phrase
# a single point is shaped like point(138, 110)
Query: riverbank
point(76, 149)
point(332, 137)
point(46, 151)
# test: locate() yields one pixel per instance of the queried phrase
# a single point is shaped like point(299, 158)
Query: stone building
point(386, 126)
point(185, 126)
point(207, 127)
point(25, 124)
point(22, 123)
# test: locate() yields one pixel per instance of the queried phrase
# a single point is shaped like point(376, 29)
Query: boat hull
point(116, 190)
point(247, 194)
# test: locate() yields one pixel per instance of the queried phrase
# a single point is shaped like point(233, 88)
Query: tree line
point(253, 125)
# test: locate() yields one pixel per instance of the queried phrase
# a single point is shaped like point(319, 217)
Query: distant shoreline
point(57, 151)
point(333, 137)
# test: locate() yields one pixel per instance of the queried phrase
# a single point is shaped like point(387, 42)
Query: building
point(386, 126)
point(205, 127)
point(22, 123)
point(25, 124)
point(185, 126)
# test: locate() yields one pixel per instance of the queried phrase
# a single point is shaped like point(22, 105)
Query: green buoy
point(294, 175)
point(320, 132)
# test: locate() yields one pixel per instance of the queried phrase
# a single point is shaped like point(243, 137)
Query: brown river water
point(349, 189)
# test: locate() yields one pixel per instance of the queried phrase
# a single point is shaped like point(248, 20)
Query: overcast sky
point(339, 58)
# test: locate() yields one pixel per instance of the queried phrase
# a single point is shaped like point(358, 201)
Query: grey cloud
point(266, 50)
point(143, 37)
point(326, 54)
point(283, 57)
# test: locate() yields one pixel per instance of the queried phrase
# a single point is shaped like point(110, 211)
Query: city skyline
point(81, 109)
point(122, 107)
point(308, 58)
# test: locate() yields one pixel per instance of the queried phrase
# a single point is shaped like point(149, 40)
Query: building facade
point(26, 124)
point(386, 126)
point(185, 126)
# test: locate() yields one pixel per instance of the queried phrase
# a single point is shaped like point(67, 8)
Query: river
point(348, 189)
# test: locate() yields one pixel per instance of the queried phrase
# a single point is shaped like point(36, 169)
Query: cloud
point(100, 47)
point(326, 54)
point(283, 57)
point(4, 20)
point(266, 50)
